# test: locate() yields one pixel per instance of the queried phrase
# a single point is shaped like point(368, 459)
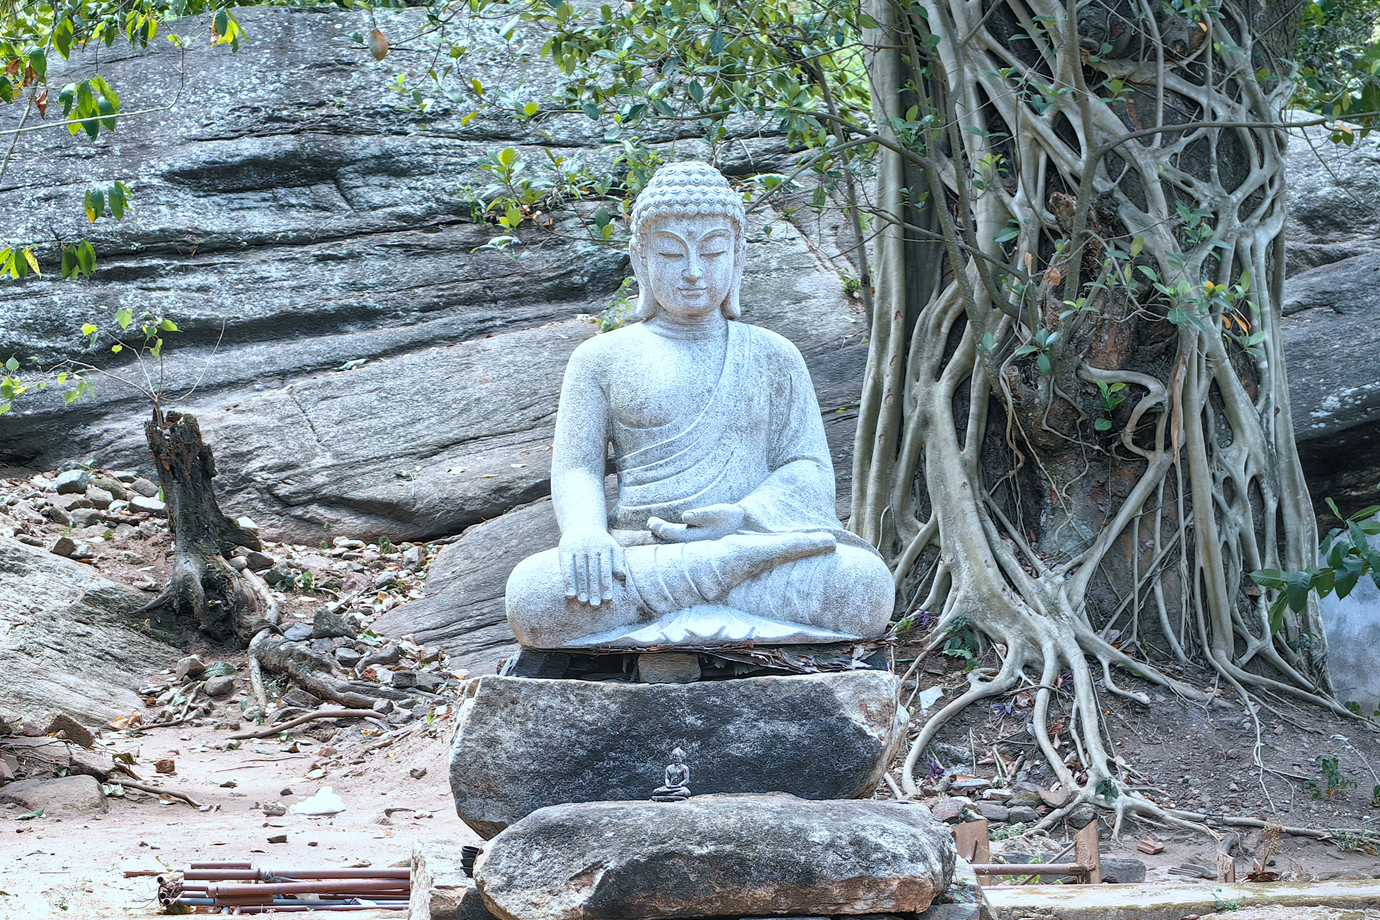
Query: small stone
point(970, 786)
point(167, 766)
point(72, 481)
point(258, 561)
point(190, 667)
point(1122, 871)
point(279, 573)
point(1081, 816)
point(297, 632)
point(348, 657)
point(72, 501)
point(57, 515)
point(389, 654)
point(85, 517)
point(117, 489)
point(668, 668)
point(64, 726)
point(412, 558)
point(430, 682)
point(147, 505)
point(99, 498)
point(403, 679)
point(993, 812)
point(238, 563)
point(286, 791)
point(417, 772)
point(299, 697)
point(219, 686)
point(124, 476)
point(327, 625)
point(386, 580)
point(65, 546)
point(1022, 814)
point(246, 523)
point(274, 810)
point(278, 838)
point(144, 487)
point(947, 809)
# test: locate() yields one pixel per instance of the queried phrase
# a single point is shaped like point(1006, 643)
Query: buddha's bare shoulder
point(594, 355)
point(774, 347)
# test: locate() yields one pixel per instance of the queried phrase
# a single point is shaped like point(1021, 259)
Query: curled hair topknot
point(686, 189)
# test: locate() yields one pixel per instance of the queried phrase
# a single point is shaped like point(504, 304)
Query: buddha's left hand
point(712, 522)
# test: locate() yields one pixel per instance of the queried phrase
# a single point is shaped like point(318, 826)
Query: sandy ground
point(73, 867)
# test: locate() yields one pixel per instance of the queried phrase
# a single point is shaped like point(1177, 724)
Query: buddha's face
point(688, 263)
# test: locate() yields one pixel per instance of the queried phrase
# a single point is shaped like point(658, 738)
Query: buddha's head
point(688, 242)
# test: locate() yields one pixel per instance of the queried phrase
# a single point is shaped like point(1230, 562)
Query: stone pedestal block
point(716, 856)
point(524, 744)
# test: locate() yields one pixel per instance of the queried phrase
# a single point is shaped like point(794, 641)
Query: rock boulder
point(717, 855)
point(64, 641)
point(524, 743)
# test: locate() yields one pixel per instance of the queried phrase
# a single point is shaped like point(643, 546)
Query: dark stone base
point(526, 743)
point(717, 856)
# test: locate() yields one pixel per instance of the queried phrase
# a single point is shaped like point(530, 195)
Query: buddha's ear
point(732, 307)
point(646, 305)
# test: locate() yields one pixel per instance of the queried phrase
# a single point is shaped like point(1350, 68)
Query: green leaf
point(1276, 618)
point(1005, 236)
point(29, 815)
point(95, 204)
point(530, 109)
point(62, 37)
point(168, 325)
point(38, 60)
point(124, 317)
point(507, 156)
point(1268, 578)
point(1043, 364)
point(1103, 424)
point(12, 365)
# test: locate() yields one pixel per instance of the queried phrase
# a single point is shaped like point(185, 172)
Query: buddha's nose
point(694, 268)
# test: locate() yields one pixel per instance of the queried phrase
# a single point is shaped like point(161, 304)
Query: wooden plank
point(973, 842)
point(1226, 867)
point(1085, 852)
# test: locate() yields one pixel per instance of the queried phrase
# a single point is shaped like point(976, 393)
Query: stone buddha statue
point(724, 530)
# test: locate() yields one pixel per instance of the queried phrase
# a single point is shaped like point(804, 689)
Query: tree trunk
point(223, 602)
point(1075, 431)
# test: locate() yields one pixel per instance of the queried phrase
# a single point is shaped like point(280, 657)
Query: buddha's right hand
point(590, 560)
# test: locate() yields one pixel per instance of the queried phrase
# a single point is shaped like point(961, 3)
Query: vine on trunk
point(1075, 430)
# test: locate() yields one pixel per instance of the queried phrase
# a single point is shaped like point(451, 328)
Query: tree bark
point(1074, 433)
point(223, 603)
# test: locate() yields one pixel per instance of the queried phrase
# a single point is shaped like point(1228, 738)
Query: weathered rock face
point(737, 855)
point(1332, 349)
point(1334, 198)
point(524, 744)
point(63, 645)
point(1332, 313)
point(322, 233)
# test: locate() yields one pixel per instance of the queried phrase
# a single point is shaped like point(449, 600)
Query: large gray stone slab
point(1332, 323)
point(1334, 197)
point(735, 855)
point(66, 642)
point(290, 236)
point(523, 744)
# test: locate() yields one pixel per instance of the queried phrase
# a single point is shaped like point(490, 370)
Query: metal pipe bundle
point(240, 888)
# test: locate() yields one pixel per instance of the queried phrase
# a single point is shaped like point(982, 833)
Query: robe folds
point(758, 442)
